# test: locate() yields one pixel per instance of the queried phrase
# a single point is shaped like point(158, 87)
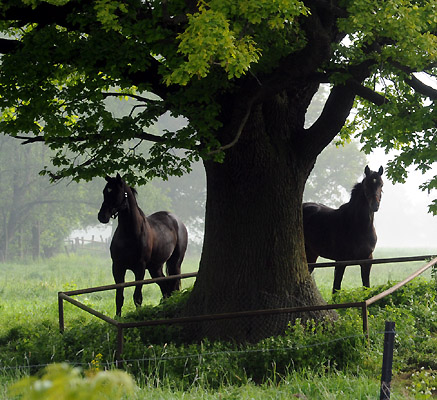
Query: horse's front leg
point(139, 276)
point(118, 273)
point(338, 277)
point(365, 273)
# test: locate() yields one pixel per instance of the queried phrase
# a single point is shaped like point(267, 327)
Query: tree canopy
point(62, 59)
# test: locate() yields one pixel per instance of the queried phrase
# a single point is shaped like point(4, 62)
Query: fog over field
point(403, 219)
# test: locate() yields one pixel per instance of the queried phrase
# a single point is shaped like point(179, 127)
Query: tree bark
point(253, 253)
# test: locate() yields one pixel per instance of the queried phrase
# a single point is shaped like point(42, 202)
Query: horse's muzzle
point(103, 217)
point(375, 204)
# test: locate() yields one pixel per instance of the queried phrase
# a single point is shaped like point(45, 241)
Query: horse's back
point(170, 232)
point(167, 220)
point(318, 216)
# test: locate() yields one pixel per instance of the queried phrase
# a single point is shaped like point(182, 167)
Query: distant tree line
point(36, 215)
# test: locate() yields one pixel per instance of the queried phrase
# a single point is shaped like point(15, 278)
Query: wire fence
point(386, 393)
point(121, 326)
point(118, 353)
point(166, 357)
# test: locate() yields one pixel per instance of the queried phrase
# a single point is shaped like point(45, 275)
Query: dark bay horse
point(141, 242)
point(348, 232)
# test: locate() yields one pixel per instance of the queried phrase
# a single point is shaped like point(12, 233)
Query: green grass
point(303, 385)
point(30, 290)
point(343, 370)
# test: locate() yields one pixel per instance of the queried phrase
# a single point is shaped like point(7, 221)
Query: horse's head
point(114, 199)
point(372, 186)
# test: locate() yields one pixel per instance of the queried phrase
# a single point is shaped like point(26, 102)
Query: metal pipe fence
point(66, 296)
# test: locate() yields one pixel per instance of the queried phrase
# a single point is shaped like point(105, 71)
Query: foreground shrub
point(423, 384)
point(311, 345)
point(62, 382)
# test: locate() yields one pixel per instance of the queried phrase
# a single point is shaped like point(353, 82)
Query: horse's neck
point(358, 210)
point(130, 219)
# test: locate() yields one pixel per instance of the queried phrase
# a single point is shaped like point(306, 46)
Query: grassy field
point(28, 312)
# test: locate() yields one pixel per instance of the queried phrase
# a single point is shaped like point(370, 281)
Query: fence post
point(387, 360)
point(365, 316)
point(120, 343)
point(61, 313)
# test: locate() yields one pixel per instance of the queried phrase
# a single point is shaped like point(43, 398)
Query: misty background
point(37, 217)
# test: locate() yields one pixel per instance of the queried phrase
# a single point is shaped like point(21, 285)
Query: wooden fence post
point(387, 360)
point(365, 317)
point(120, 345)
point(61, 313)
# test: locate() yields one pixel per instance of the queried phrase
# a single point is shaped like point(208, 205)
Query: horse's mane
point(135, 193)
point(356, 191)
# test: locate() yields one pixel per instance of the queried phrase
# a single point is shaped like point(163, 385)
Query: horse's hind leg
point(365, 274)
point(174, 268)
point(118, 273)
point(175, 261)
point(156, 272)
point(338, 277)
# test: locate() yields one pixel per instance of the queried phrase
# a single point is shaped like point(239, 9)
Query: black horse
point(347, 233)
point(141, 242)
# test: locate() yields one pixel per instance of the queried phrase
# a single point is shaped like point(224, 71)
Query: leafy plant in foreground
point(63, 382)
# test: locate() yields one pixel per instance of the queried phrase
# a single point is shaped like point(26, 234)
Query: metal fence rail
point(371, 261)
point(198, 318)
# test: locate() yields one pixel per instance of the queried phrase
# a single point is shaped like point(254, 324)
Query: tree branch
point(43, 14)
point(8, 46)
point(320, 30)
point(362, 91)
point(237, 134)
point(134, 96)
point(327, 6)
point(338, 107)
point(367, 93)
point(149, 137)
point(27, 140)
point(416, 83)
point(330, 121)
point(141, 135)
point(172, 20)
point(421, 87)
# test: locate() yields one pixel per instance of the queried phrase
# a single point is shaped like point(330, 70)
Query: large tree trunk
point(253, 253)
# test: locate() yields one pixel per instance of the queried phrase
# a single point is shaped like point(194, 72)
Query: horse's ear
point(367, 170)
point(118, 177)
point(107, 178)
point(381, 170)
